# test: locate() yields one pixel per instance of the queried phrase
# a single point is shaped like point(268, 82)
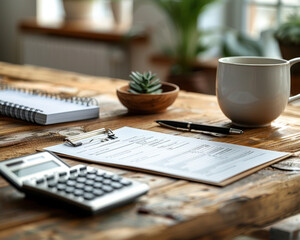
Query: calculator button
point(61, 187)
point(78, 192)
point(125, 182)
point(91, 176)
point(97, 185)
point(89, 182)
point(69, 189)
point(73, 177)
point(52, 184)
point(82, 168)
point(50, 177)
point(88, 189)
point(99, 179)
point(116, 185)
point(40, 181)
point(98, 192)
point(73, 171)
point(93, 170)
point(107, 188)
point(81, 180)
point(71, 183)
point(62, 180)
point(107, 175)
point(79, 186)
point(82, 174)
point(100, 174)
point(61, 174)
point(116, 178)
point(107, 182)
point(88, 196)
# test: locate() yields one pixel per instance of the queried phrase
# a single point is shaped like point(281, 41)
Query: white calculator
point(91, 189)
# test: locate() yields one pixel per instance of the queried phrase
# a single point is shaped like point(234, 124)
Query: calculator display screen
point(35, 168)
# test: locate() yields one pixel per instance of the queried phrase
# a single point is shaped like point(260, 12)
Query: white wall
point(11, 12)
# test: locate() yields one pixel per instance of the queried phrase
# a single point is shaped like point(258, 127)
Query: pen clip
point(74, 141)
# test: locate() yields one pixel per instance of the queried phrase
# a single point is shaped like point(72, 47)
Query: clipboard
point(78, 140)
point(209, 162)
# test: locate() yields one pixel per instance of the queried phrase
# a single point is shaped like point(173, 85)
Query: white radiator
point(78, 55)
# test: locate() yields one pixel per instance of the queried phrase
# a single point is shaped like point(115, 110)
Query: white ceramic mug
point(253, 91)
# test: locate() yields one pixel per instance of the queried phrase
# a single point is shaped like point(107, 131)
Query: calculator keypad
point(88, 187)
point(84, 183)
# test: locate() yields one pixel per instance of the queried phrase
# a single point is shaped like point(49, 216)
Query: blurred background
point(180, 40)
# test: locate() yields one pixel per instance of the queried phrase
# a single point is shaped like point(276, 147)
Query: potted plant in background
point(183, 17)
point(288, 37)
point(146, 94)
point(236, 43)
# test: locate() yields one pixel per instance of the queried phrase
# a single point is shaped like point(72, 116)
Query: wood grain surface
point(173, 209)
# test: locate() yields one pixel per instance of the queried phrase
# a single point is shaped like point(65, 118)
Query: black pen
point(189, 126)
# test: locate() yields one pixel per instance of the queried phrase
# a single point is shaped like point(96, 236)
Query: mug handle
point(292, 62)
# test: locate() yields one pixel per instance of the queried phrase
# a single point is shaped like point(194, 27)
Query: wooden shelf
point(82, 29)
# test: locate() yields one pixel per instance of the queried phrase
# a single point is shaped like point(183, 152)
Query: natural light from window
point(267, 14)
point(52, 11)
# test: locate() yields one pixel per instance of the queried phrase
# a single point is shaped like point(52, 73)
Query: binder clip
point(76, 141)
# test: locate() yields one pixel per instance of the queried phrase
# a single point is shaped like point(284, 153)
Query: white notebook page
point(47, 104)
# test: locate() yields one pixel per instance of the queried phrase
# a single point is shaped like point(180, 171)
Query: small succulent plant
point(144, 83)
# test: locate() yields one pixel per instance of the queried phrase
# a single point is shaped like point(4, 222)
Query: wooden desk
point(173, 209)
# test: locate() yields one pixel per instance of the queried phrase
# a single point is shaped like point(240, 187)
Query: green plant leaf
point(132, 91)
point(157, 91)
point(183, 16)
point(137, 75)
point(154, 82)
point(148, 74)
point(135, 78)
point(144, 83)
point(138, 81)
point(152, 77)
point(136, 87)
point(154, 88)
point(289, 31)
point(238, 44)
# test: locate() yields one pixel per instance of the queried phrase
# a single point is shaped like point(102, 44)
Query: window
point(48, 11)
point(266, 14)
point(52, 10)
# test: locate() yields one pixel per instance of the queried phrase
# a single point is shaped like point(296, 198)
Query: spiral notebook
point(44, 108)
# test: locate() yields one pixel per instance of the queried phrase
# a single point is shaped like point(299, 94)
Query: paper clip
point(75, 140)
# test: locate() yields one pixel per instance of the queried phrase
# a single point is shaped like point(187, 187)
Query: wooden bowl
point(148, 103)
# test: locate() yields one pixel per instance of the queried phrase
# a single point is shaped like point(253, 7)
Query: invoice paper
point(181, 157)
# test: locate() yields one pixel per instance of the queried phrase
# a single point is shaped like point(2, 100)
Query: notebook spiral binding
point(27, 113)
point(18, 111)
